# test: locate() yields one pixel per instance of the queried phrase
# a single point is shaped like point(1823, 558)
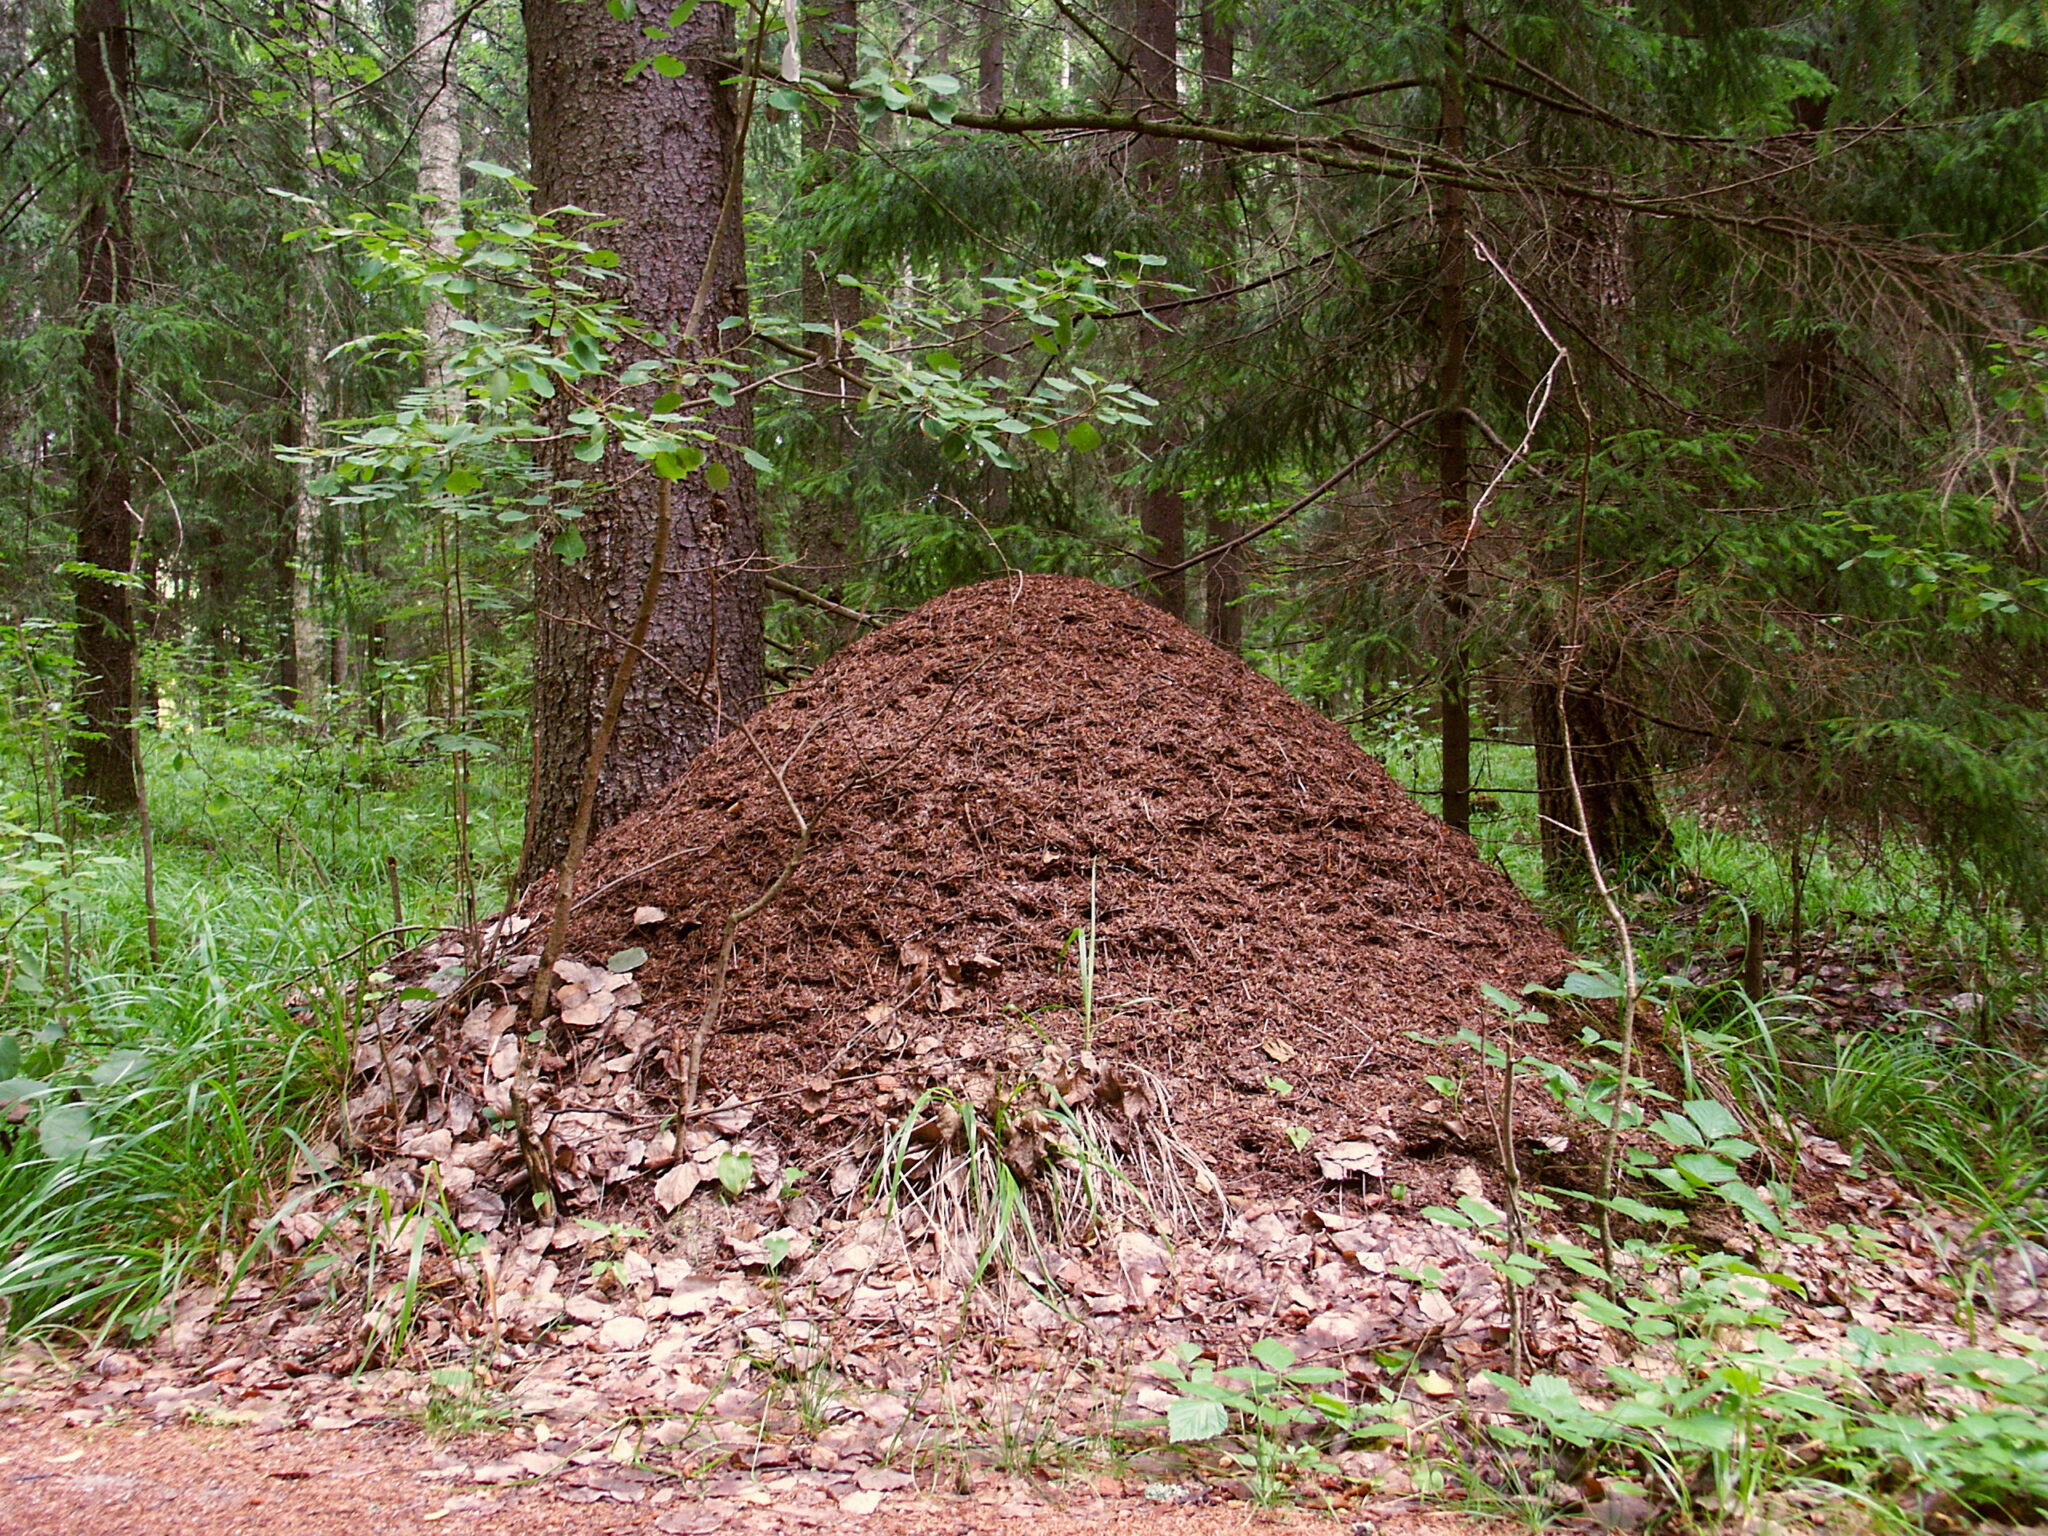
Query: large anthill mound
point(1279, 934)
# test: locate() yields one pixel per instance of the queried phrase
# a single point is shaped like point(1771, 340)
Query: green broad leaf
point(10, 1057)
point(591, 449)
point(1012, 425)
point(681, 14)
point(65, 1131)
point(736, 1172)
point(1272, 1354)
point(942, 109)
point(717, 476)
point(1596, 1308)
point(1704, 1166)
point(1444, 1215)
point(1046, 438)
point(1750, 1203)
point(1083, 438)
point(1591, 985)
point(668, 402)
point(462, 481)
point(1635, 1210)
point(21, 1090)
point(1677, 1130)
point(939, 360)
point(568, 545)
point(940, 85)
point(627, 960)
point(776, 1249)
point(493, 170)
point(1708, 1431)
point(1193, 1419)
point(760, 461)
point(1713, 1118)
point(783, 99)
point(1480, 1212)
point(119, 1066)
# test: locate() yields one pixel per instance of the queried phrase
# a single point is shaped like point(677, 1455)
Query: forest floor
point(183, 1478)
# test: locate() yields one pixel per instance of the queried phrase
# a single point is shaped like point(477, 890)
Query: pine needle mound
point(1069, 858)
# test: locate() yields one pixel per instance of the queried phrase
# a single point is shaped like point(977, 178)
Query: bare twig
point(818, 600)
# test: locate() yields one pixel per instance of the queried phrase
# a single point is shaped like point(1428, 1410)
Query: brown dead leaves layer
point(1274, 920)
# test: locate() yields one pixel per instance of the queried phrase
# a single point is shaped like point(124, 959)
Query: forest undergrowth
point(152, 1101)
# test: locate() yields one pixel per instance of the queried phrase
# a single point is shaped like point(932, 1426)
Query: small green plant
point(459, 1403)
point(1274, 1412)
point(735, 1172)
point(1083, 942)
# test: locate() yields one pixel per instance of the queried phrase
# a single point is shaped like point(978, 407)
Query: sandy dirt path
point(147, 1479)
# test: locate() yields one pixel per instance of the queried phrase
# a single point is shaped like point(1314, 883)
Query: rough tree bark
point(990, 97)
point(654, 153)
point(1223, 588)
point(308, 662)
point(988, 57)
point(1454, 490)
point(305, 669)
point(1153, 40)
point(440, 173)
point(1629, 831)
point(102, 765)
point(825, 536)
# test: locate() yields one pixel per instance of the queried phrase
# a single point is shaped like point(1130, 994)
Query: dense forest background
point(1628, 420)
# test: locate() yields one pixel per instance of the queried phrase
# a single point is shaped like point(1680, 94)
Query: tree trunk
point(309, 658)
point(440, 172)
point(825, 537)
point(102, 764)
point(1454, 700)
point(1223, 590)
point(654, 153)
point(990, 97)
point(1154, 42)
point(988, 58)
point(1630, 834)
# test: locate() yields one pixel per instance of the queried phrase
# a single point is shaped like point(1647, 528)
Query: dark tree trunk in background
point(988, 57)
point(1454, 490)
point(102, 765)
point(1223, 591)
point(1630, 833)
point(654, 153)
point(825, 538)
point(1153, 41)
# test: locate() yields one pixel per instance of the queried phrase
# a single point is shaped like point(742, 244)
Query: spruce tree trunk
point(655, 154)
point(1223, 590)
point(990, 96)
point(1154, 44)
point(101, 767)
point(1630, 834)
point(988, 57)
point(1454, 490)
point(824, 537)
